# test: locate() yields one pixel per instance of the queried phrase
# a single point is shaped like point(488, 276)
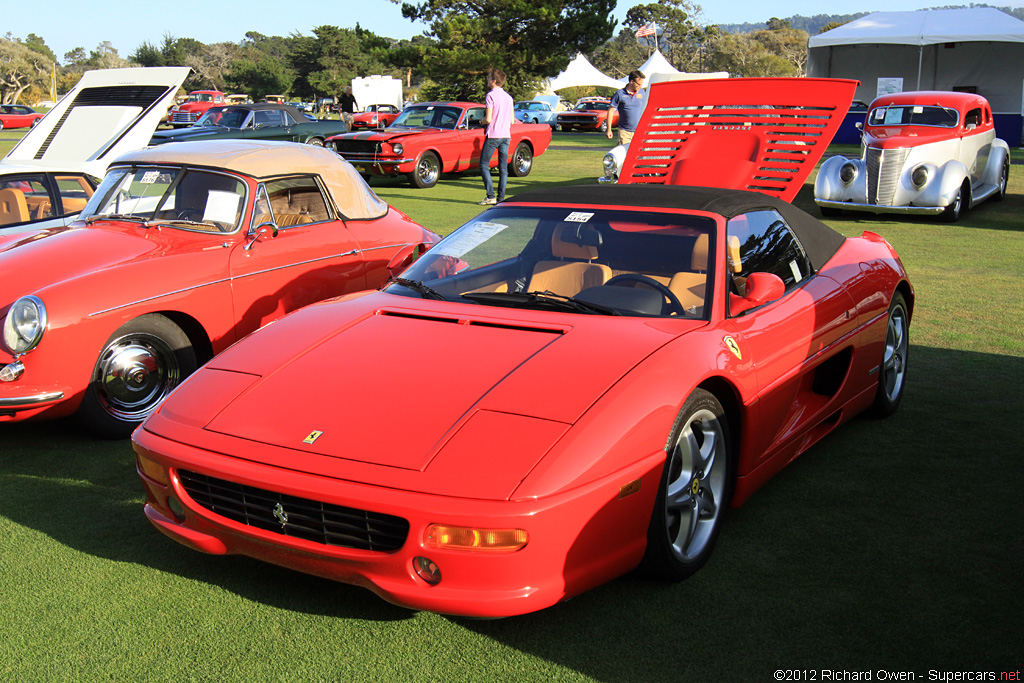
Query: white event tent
point(581, 72)
point(980, 49)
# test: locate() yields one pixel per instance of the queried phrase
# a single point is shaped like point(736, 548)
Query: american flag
point(646, 30)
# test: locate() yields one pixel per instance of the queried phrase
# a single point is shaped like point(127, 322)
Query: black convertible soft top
point(819, 241)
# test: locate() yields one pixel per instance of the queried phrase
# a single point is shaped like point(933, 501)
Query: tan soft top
point(262, 159)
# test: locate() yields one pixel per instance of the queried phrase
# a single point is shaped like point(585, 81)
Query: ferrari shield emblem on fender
point(313, 436)
point(734, 347)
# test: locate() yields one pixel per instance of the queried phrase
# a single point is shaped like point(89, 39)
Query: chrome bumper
point(33, 400)
point(879, 208)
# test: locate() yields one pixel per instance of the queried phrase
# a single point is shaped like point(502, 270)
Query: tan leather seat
point(13, 207)
point(574, 273)
point(287, 219)
point(690, 286)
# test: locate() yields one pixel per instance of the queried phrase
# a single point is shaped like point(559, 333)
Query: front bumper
point(575, 539)
point(879, 208)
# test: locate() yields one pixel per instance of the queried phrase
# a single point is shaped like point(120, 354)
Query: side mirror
point(405, 257)
point(761, 288)
point(261, 230)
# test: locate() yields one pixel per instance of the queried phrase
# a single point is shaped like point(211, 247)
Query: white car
point(924, 153)
point(49, 175)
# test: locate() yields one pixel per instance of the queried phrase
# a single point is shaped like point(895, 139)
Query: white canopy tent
point(581, 72)
point(657, 64)
point(979, 49)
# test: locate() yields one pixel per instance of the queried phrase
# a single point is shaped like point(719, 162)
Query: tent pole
point(920, 59)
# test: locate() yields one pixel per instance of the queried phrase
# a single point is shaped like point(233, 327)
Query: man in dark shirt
point(629, 102)
point(347, 105)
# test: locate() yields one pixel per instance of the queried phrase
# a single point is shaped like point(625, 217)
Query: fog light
point(480, 540)
point(427, 570)
point(12, 371)
point(847, 173)
point(177, 509)
point(153, 470)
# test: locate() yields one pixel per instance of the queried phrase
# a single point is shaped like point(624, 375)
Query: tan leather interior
point(286, 219)
point(568, 277)
point(39, 207)
point(690, 287)
point(13, 207)
point(73, 204)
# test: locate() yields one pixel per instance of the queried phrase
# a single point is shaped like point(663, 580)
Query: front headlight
point(847, 173)
point(611, 167)
point(397, 148)
point(919, 176)
point(24, 325)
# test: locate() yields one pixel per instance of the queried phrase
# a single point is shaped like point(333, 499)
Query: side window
point(762, 242)
point(25, 199)
point(287, 119)
point(295, 201)
point(476, 117)
point(75, 191)
point(972, 119)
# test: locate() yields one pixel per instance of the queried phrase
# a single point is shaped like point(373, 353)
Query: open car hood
point(109, 112)
point(760, 134)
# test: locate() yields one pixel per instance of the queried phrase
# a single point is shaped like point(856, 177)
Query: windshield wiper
point(116, 217)
point(545, 297)
point(417, 286)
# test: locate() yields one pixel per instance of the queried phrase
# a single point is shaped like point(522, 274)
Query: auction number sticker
point(149, 177)
point(468, 239)
point(578, 217)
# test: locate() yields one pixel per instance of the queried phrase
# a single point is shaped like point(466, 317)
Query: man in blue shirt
point(630, 103)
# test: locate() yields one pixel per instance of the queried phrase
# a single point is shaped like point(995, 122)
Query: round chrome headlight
point(397, 148)
point(609, 162)
point(847, 173)
point(24, 325)
point(919, 176)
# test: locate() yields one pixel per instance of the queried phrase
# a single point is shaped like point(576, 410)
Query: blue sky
point(66, 24)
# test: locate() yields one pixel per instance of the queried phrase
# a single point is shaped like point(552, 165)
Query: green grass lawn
point(892, 545)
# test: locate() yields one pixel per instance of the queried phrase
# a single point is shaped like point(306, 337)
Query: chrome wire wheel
point(694, 490)
point(892, 373)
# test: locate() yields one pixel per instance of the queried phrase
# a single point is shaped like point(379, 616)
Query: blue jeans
point(491, 144)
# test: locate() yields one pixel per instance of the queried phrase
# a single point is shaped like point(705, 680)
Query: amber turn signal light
point(449, 537)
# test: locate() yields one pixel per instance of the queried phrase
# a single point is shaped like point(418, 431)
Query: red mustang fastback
point(429, 139)
point(576, 382)
point(182, 250)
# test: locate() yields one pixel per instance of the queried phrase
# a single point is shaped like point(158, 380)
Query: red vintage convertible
point(578, 381)
point(429, 139)
point(18, 116)
point(182, 250)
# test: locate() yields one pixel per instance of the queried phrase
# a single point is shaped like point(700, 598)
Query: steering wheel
point(674, 304)
point(186, 215)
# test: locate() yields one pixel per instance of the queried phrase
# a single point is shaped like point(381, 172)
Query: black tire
point(427, 171)
point(952, 213)
point(1004, 180)
point(138, 367)
point(695, 487)
point(829, 212)
point(604, 126)
point(892, 372)
point(521, 162)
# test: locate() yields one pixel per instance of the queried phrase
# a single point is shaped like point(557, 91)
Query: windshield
point(592, 106)
point(429, 116)
point(211, 117)
point(913, 115)
point(229, 117)
point(200, 97)
point(176, 197)
point(585, 260)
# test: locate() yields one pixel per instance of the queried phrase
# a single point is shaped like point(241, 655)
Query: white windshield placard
point(468, 239)
point(578, 217)
point(149, 177)
point(221, 207)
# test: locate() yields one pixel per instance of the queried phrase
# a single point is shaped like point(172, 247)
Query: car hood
point(109, 112)
point(390, 385)
point(190, 133)
point(388, 134)
point(28, 262)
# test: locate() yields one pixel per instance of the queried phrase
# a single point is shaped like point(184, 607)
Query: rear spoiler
point(761, 134)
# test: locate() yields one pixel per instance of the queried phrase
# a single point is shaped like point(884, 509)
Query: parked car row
point(318, 381)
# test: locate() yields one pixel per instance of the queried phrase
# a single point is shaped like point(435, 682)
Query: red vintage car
point(376, 116)
point(588, 114)
point(576, 382)
point(182, 250)
point(18, 116)
point(193, 108)
point(429, 139)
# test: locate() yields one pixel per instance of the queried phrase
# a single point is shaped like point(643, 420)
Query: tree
point(680, 36)
point(788, 43)
point(529, 40)
point(741, 55)
point(20, 68)
point(259, 76)
point(328, 62)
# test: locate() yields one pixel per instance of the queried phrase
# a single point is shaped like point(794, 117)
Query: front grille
point(306, 519)
point(357, 146)
point(183, 117)
point(884, 167)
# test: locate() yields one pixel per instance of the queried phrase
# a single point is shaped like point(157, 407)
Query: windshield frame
point(884, 108)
